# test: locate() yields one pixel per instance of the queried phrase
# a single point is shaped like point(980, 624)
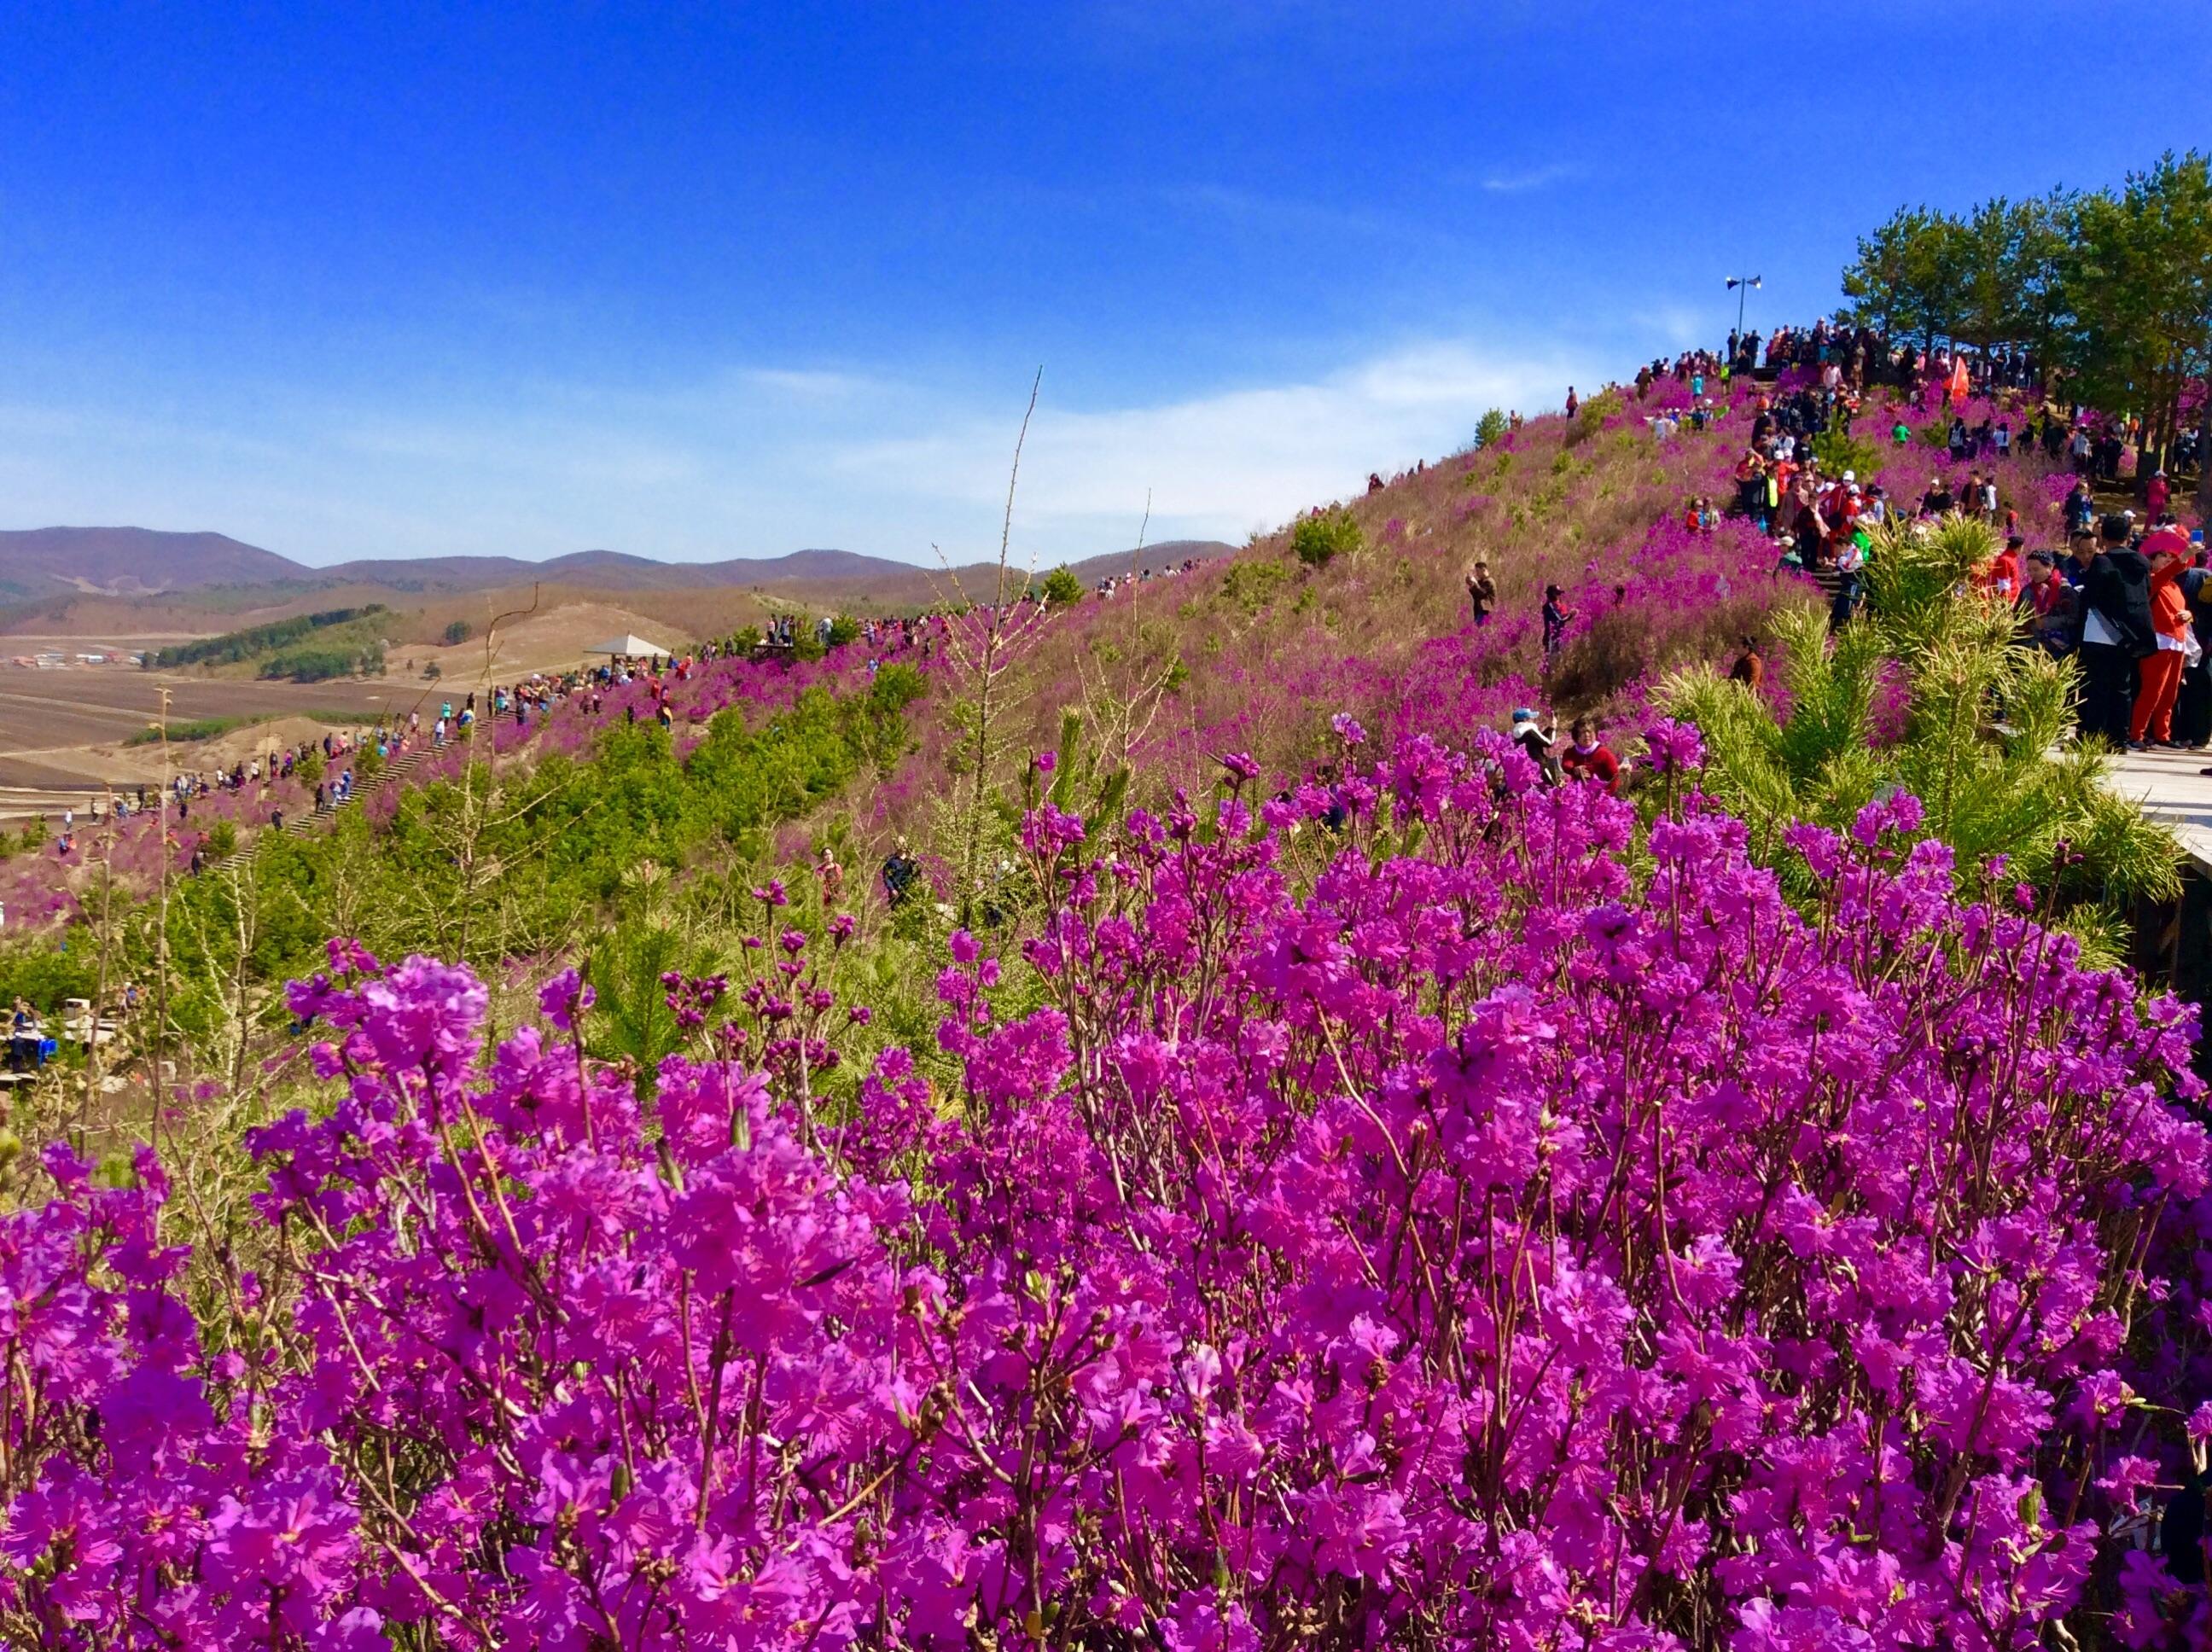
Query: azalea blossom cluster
point(1420, 1210)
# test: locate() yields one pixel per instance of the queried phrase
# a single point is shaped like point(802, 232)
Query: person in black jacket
point(901, 871)
point(2116, 627)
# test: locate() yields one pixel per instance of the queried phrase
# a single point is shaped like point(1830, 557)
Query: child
point(1536, 742)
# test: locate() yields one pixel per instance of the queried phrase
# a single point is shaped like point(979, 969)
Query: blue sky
point(703, 281)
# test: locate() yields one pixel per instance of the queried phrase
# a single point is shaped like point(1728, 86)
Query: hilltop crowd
point(2127, 592)
point(1112, 583)
point(2128, 595)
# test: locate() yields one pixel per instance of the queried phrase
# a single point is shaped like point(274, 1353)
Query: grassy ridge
point(235, 647)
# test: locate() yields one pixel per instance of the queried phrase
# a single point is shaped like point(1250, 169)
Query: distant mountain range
point(40, 563)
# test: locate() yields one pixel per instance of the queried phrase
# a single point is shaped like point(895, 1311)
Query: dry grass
point(1270, 649)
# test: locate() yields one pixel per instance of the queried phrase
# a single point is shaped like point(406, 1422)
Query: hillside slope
point(1258, 652)
point(1261, 653)
point(40, 563)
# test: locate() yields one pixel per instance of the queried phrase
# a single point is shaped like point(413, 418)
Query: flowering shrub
point(1477, 1244)
point(1322, 537)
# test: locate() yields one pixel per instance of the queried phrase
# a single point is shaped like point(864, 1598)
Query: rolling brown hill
point(38, 563)
point(56, 579)
point(614, 570)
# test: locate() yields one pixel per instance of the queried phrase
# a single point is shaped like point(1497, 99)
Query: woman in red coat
point(2152, 721)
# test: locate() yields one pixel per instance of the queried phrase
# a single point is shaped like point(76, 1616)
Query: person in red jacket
point(2002, 575)
point(2167, 552)
point(1587, 758)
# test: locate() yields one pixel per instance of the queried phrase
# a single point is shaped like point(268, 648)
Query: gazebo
point(633, 647)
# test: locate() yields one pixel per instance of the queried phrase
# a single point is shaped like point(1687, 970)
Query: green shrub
point(1589, 418)
point(1062, 589)
point(198, 728)
point(1839, 453)
point(557, 862)
point(634, 1017)
point(319, 664)
point(843, 629)
point(1322, 538)
point(221, 839)
point(896, 687)
point(1252, 586)
point(46, 974)
point(1489, 427)
point(459, 632)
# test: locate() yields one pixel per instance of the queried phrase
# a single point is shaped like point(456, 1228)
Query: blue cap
point(1522, 715)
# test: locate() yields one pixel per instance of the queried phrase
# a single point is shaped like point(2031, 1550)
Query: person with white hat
point(1538, 742)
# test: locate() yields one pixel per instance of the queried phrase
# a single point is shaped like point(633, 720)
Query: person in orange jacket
point(2151, 723)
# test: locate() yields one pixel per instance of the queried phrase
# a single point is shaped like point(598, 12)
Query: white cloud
point(1516, 183)
point(1216, 463)
point(757, 461)
point(1679, 325)
point(521, 449)
point(808, 385)
point(1252, 210)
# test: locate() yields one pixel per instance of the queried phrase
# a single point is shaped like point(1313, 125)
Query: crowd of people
point(2132, 604)
point(2127, 594)
point(782, 631)
point(246, 776)
point(1112, 583)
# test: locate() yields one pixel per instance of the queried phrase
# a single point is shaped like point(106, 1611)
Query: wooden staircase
point(394, 771)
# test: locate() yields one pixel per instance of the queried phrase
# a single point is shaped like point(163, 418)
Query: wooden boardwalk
point(2170, 788)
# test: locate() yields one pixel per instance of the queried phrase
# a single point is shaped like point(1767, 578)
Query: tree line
point(2110, 290)
point(232, 647)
